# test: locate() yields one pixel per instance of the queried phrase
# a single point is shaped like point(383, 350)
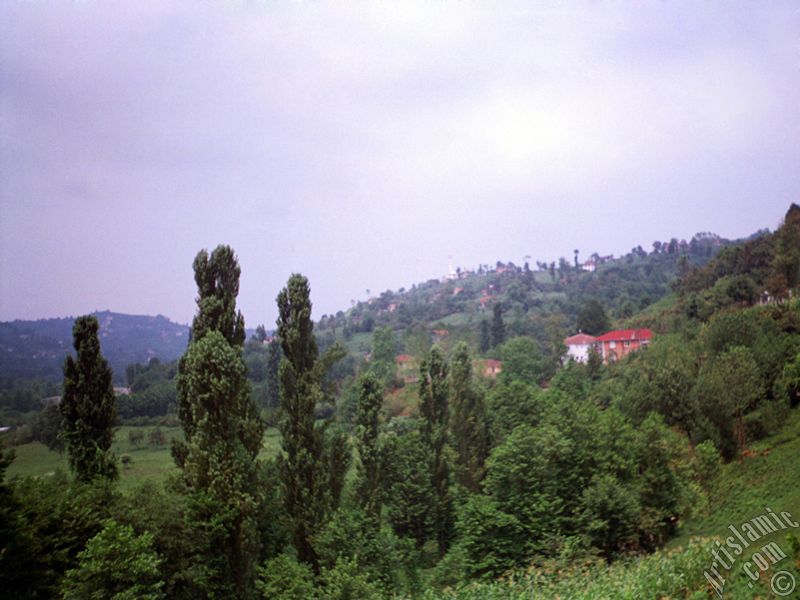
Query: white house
point(578, 346)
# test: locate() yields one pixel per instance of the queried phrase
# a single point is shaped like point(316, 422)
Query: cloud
point(364, 142)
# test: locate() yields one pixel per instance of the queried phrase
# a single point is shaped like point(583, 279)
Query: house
point(616, 344)
point(439, 335)
point(578, 346)
point(492, 368)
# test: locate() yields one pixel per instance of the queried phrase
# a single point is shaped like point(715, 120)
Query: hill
point(36, 349)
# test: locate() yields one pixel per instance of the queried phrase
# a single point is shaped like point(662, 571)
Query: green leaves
point(88, 406)
point(116, 564)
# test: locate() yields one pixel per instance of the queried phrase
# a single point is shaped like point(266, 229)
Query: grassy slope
point(154, 463)
point(771, 477)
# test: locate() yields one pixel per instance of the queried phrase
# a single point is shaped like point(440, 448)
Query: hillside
point(542, 300)
point(31, 349)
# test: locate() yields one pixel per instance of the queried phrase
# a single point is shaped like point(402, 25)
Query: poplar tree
point(368, 487)
point(302, 467)
point(433, 408)
point(88, 406)
point(222, 429)
point(498, 326)
point(468, 422)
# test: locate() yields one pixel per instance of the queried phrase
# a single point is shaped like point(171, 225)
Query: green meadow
point(147, 461)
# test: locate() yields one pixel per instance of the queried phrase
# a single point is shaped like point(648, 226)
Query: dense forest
point(405, 468)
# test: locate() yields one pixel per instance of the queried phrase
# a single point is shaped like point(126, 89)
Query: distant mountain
point(37, 348)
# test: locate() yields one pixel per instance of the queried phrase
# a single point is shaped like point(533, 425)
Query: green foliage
point(511, 404)
point(57, 518)
point(380, 554)
point(468, 421)
point(116, 564)
point(284, 578)
point(384, 349)
point(308, 465)
point(88, 406)
point(16, 547)
point(593, 319)
point(345, 582)
point(485, 339)
point(434, 410)
point(217, 279)
point(522, 361)
point(498, 330)
point(221, 426)
point(410, 494)
point(368, 467)
point(727, 387)
point(492, 541)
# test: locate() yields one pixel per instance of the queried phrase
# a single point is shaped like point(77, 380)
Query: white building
point(578, 346)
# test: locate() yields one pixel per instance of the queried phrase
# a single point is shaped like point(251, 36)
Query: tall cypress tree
point(433, 407)
point(468, 421)
point(88, 406)
point(223, 431)
point(302, 468)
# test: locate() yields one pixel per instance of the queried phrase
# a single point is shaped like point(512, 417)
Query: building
point(616, 344)
point(578, 346)
point(492, 368)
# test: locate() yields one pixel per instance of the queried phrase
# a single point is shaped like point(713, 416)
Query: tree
point(593, 319)
point(274, 355)
point(368, 487)
point(384, 348)
point(498, 326)
point(728, 386)
point(485, 342)
point(307, 466)
point(522, 360)
point(222, 429)
point(409, 493)
point(433, 407)
point(116, 564)
point(88, 406)
point(468, 424)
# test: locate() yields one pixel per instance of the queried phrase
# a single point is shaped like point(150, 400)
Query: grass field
point(768, 478)
point(147, 462)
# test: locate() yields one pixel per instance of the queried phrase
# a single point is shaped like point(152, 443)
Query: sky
point(364, 143)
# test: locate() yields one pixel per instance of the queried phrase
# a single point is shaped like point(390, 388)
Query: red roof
point(623, 335)
point(493, 364)
point(404, 358)
point(580, 339)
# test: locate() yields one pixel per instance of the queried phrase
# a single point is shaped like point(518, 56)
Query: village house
point(578, 346)
point(492, 368)
point(616, 344)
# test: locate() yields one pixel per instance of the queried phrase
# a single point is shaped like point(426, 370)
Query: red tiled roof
point(404, 358)
point(622, 335)
point(580, 339)
point(492, 363)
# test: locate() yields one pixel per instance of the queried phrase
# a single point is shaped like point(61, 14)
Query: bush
point(283, 578)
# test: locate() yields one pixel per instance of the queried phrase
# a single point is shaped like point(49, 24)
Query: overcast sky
point(363, 143)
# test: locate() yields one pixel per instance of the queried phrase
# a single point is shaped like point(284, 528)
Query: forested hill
point(538, 299)
point(37, 348)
